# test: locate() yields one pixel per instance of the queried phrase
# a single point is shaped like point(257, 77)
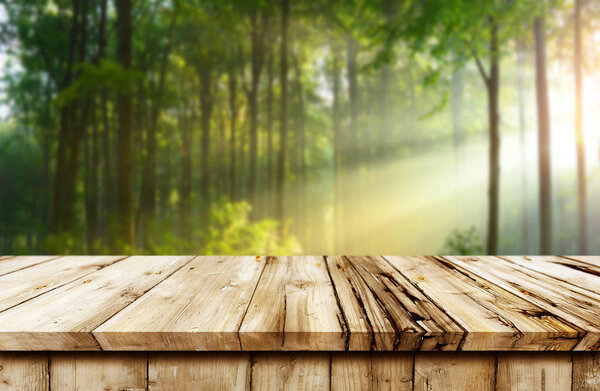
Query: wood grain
point(198, 308)
point(494, 319)
point(554, 295)
point(24, 371)
point(25, 284)
point(372, 371)
point(450, 371)
point(9, 264)
point(253, 303)
point(84, 371)
point(63, 319)
point(294, 308)
point(290, 371)
point(199, 371)
point(586, 371)
point(534, 371)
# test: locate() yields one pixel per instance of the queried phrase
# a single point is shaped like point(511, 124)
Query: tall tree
point(579, 138)
point(281, 159)
point(147, 204)
point(522, 142)
point(259, 21)
point(543, 114)
point(125, 136)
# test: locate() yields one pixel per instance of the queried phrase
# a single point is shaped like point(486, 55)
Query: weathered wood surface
point(318, 371)
point(304, 303)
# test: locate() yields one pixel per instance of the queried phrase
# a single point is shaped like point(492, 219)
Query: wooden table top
point(299, 303)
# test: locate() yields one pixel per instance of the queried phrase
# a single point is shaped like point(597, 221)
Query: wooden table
point(304, 322)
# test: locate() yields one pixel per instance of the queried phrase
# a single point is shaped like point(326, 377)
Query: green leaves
point(108, 74)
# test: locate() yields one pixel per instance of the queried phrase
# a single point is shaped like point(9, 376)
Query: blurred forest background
point(291, 126)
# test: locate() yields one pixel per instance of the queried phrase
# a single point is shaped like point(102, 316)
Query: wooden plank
point(30, 282)
point(372, 371)
point(198, 308)
point(369, 325)
point(85, 371)
point(454, 371)
point(291, 371)
point(198, 371)
point(63, 319)
point(555, 296)
point(534, 371)
point(493, 318)
point(565, 271)
point(24, 371)
point(294, 308)
point(9, 264)
point(586, 371)
point(417, 321)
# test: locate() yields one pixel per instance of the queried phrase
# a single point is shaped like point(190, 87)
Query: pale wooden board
point(294, 308)
point(450, 371)
point(581, 279)
point(493, 318)
point(94, 371)
point(418, 322)
point(24, 371)
point(586, 371)
point(25, 284)
point(300, 371)
point(64, 318)
point(198, 308)
point(198, 371)
point(563, 299)
point(546, 371)
point(9, 264)
point(371, 371)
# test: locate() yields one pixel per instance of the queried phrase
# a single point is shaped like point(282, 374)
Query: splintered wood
point(316, 303)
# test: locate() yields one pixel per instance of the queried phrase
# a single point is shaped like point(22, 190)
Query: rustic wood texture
point(199, 308)
point(372, 371)
point(368, 371)
point(534, 371)
point(307, 303)
point(291, 371)
point(24, 371)
point(198, 371)
point(9, 264)
point(26, 284)
point(586, 371)
point(84, 371)
point(454, 371)
point(294, 308)
point(63, 319)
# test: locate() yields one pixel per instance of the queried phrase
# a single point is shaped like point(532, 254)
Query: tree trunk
point(256, 64)
point(523, 144)
point(186, 177)
point(301, 148)
point(283, 119)
point(543, 114)
point(352, 150)
point(58, 202)
point(91, 184)
point(148, 190)
point(270, 164)
point(338, 143)
point(206, 112)
point(579, 137)
point(125, 158)
point(493, 91)
point(233, 111)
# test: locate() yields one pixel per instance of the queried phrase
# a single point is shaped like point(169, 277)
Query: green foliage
point(463, 242)
point(108, 74)
point(231, 232)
